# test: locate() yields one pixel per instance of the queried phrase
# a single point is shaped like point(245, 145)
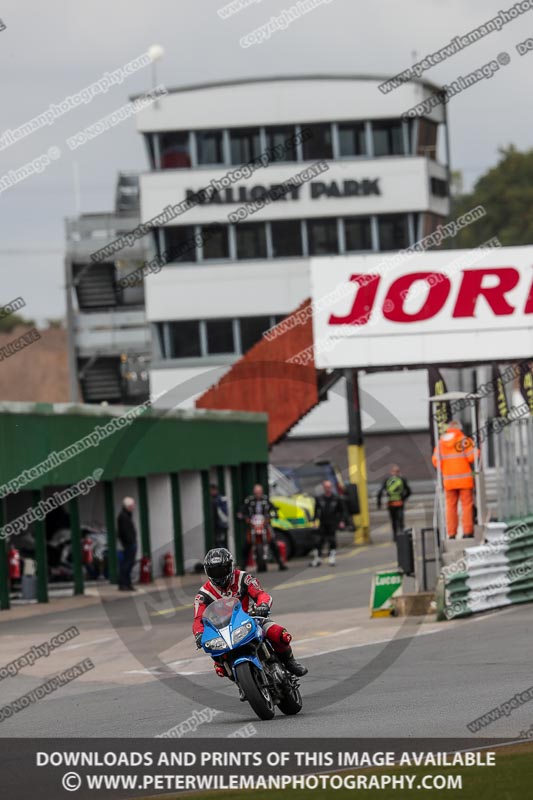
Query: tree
point(506, 193)
point(11, 321)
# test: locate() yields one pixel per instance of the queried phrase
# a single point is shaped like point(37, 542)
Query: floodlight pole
point(440, 521)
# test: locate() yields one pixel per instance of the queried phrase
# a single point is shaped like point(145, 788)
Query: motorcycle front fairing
point(231, 633)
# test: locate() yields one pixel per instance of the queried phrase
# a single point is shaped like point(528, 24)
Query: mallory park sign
point(285, 191)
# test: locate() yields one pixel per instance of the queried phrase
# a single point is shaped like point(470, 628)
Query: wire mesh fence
point(513, 447)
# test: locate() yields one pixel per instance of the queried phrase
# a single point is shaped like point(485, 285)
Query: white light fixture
point(156, 51)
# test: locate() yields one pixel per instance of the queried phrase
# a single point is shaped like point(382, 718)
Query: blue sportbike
point(236, 640)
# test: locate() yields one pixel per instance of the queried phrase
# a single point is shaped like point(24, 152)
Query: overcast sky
point(53, 49)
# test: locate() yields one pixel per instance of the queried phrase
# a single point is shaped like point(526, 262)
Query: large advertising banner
point(446, 307)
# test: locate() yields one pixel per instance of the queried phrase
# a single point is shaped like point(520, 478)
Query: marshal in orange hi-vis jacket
point(457, 454)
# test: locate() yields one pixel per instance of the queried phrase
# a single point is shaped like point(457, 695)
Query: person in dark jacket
point(397, 490)
point(127, 536)
point(219, 516)
point(330, 515)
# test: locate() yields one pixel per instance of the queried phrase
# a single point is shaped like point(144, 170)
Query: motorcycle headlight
point(215, 644)
point(241, 632)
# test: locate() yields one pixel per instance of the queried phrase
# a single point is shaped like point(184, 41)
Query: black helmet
point(218, 566)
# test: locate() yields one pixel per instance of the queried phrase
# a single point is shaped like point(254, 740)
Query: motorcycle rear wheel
point(257, 695)
point(291, 703)
point(260, 558)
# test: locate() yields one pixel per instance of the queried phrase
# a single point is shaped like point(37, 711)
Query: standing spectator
point(329, 515)
point(127, 536)
point(457, 455)
point(219, 515)
point(397, 490)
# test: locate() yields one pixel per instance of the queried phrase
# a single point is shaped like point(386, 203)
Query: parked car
point(308, 479)
point(295, 512)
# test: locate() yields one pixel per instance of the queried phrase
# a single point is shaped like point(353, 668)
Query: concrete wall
point(192, 515)
point(276, 102)
point(160, 518)
point(91, 507)
point(412, 450)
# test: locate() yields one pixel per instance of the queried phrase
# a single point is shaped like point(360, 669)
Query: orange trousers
point(467, 504)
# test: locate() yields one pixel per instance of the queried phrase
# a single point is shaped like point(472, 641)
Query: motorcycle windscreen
point(220, 612)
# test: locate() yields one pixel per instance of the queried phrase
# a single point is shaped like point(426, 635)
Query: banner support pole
point(356, 457)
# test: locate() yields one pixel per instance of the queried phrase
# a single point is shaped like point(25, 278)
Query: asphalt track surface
point(367, 678)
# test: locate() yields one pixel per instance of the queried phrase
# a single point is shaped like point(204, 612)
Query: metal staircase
point(95, 286)
point(101, 380)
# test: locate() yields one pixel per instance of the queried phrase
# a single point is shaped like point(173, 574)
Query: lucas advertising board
point(453, 306)
point(385, 586)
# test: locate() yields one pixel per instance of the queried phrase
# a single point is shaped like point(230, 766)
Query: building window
point(357, 231)
point(281, 138)
point(427, 138)
point(209, 147)
point(286, 238)
point(245, 145)
point(180, 244)
point(150, 141)
point(251, 240)
point(219, 336)
point(319, 144)
point(388, 138)
point(323, 238)
point(185, 339)
point(393, 232)
point(175, 152)
point(439, 187)
point(410, 125)
point(252, 329)
point(216, 242)
point(352, 141)
point(160, 341)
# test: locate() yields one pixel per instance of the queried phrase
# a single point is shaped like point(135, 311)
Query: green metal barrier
point(177, 523)
point(77, 556)
point(40, 553)
point(112, 557)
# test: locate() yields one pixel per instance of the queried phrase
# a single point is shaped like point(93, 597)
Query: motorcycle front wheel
point(251, 682)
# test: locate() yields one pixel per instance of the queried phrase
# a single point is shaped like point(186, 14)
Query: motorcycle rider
point(226, 581)
point(258, 503)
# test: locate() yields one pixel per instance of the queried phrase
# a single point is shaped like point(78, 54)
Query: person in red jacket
point(457, 455)
point(226, 581)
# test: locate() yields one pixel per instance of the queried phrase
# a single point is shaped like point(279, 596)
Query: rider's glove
point(198, 640)
point(262, 611)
